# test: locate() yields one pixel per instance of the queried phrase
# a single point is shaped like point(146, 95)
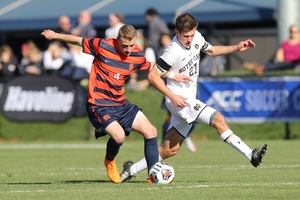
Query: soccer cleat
point(126, 174)
point(112, 170)
point(148, 180)
point(257, 155)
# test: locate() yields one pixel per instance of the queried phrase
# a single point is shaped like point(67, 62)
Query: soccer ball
point(161, 173)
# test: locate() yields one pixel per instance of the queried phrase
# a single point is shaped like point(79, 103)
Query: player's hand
point(179, 101)
point(244, 45)
point(182, 78)
point(48, 34)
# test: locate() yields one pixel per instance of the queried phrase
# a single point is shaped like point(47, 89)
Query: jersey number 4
point(117, 76)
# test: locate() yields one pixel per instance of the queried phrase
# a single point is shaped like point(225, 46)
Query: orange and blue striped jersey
point(110, 70)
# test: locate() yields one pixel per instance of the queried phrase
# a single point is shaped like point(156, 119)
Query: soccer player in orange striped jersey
point(108, 109)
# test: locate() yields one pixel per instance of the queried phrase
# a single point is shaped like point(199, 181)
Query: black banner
point(38, 99)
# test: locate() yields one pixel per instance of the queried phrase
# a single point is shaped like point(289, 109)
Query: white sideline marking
point(183, 168)
point(52, 146)
point(167, 187)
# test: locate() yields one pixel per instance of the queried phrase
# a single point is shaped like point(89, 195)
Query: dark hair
point(151, 12)
point(185, 22)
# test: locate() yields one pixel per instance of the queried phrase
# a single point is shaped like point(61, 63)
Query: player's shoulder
point(199, 40)
point(93, 42)
point(198, 36)
point(174, 46)
point(172, 53)
point(110, 41)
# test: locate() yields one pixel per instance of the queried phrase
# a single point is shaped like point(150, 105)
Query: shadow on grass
point(68, 182)
point(98, 181)
point(37, 183)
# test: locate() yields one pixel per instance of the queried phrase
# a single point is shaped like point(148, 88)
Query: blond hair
point(127, 32)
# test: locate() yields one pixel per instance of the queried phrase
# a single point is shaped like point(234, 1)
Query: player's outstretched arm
point(223, 50)
point(72, 39)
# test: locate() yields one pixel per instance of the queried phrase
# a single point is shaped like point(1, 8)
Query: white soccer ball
point(161, 173)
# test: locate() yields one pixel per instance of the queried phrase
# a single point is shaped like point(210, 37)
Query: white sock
point(140, 166)
point(230, 138)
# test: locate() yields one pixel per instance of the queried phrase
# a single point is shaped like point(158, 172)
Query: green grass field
point(60, 170)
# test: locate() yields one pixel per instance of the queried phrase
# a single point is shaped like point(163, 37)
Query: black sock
point(151, 151)
point(112, 149)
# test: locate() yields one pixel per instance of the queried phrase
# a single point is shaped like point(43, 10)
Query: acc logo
point(226, 100)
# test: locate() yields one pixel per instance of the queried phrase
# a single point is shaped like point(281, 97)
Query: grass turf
point(216, 171)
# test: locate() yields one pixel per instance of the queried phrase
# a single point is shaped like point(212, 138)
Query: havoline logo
point(48, 100)
point(38, 99)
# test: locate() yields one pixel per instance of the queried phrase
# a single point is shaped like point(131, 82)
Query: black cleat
point(126, 174)
point(258, 154)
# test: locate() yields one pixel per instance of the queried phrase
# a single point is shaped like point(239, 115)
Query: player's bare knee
point(151, 132)
point(119, 139)
point(218, 120)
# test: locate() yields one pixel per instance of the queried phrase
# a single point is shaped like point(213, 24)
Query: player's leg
point(190, 144)
point(143, 126)
point(117, 137)
point(167, 121)
point(215, 119)
point(184, 114)
point(169, 148)
point(254, 156)
point(166, 126)
point(103, 119)
point(189, 141)
point(228, 136)
point(171, 144)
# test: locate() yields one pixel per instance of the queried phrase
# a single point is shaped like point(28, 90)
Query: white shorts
point(196, 111)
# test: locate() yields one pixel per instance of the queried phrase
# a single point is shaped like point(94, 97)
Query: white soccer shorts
point(196, 111)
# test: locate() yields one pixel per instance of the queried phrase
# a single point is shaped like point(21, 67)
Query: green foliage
point(59, 171)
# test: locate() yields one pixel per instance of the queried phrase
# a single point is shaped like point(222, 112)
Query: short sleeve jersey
point(110, 70)
point(180, 60)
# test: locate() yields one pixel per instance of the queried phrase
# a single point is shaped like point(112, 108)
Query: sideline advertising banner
point(38, 99)
point(245, 100)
